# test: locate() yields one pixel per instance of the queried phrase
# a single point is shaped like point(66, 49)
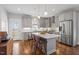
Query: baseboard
point(50, 52)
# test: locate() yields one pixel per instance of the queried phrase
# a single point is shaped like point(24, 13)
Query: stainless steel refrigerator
point(66, 30)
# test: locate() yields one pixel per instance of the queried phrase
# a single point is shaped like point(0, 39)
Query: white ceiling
point(38, 9)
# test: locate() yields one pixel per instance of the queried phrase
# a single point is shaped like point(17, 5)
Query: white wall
point(74, 28)
point(78, 27)
point(3, 20)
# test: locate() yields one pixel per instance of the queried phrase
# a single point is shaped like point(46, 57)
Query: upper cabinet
point(3, 20)
point(56, 21)
point(66, 15)
point(53, 19)
point(45, 22)
point(61, 17)
point(26, 21)
point(42, 22)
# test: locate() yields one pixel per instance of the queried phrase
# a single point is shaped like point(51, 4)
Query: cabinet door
point(47, 23)
point(53, 19)
point(50, 21)
point(68, 15)
point(61, 17)
point(57, 21)
point(42, 23)
point(26, 22)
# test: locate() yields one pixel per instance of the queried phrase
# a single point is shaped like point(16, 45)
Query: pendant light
point(45, 13)
point(38, 12)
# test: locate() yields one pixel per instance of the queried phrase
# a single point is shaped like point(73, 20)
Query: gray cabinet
point(44, 22)
point(57, 21)
point(61, 17)
point(47, 22)
point(67, 15)
point(26, 21)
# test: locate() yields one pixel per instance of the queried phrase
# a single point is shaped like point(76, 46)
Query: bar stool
point(37, 44)
point(33, 44)
point(29, 38)
point(29, 35)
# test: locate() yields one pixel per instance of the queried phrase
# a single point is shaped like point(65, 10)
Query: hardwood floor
point(62, 49)
point(26, 48)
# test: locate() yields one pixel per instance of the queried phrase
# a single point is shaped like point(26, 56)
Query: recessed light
point(45, 13)
point(53, 9)
point(18, 9)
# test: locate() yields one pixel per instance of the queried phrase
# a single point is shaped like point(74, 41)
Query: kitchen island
point(50, 41)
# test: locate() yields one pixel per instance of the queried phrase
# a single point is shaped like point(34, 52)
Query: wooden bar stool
point(29, 35)
point(37, 45)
